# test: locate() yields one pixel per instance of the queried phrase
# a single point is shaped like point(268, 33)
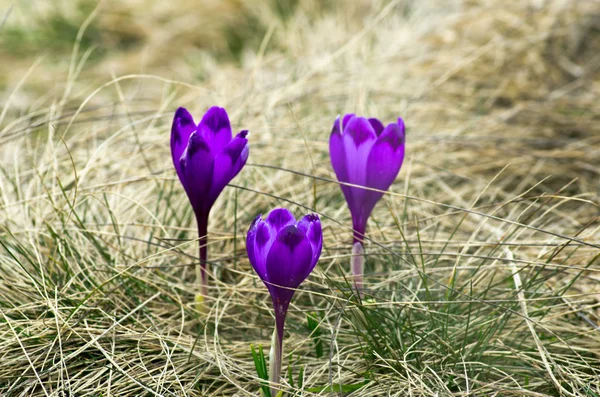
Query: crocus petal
point(239, 150)
point(337, 152)
point(215, 128)
point(402, 126)
point(196, 166)
point(377, 125)
point(228, 164)
point(346, 120)
point(339, 161)
point(258, 243)
point(182, 128)
point(311, 226)
point(386, 158)
point(360, 130)
point(358, 137)
point(279, 218)
point(289, 258)
point(251, 238)
point(337, 129)
point(383, 165)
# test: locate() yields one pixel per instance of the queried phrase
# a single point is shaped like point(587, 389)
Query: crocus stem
point(202, 234)
point(275, 361)
point(358, 263)
point(275, 356)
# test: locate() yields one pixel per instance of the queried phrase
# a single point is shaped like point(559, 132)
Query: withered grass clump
point(482, 268)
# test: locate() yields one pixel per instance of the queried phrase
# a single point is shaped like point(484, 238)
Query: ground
point(482, 260)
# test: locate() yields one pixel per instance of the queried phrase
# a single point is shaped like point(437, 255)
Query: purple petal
point(384, 163)
point(289, 259)
point(258, 242)
point(251, 238)
point(239, 151)
point(339, 161)
point(228, 163)
point(349, 153)
point(393, 135)
point(386, 158)
point(359, 138)
point(361, 131)
point(337, 152)
point(196, 167)
point(182, 128)
point(215, 128)
point(377, 126)
point(311, 226)
point(279, 218)
point(337, 129)
point(347, 119)
point(402, 126)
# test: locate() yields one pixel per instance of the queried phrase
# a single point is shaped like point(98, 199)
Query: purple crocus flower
point(363, 152)
point(206, 158)
point(283, 252)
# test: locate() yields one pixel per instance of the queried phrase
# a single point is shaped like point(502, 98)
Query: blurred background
point(176, 38)
point(513, 80)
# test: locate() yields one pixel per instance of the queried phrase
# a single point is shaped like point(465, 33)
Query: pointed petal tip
point(361, 130)
point(216, 110)
point(182, 112)
point(393, 135)
point(255, 222)
point(280, 218)
point(347, 118)
point(312, 217)
point(377, 125)
point(311, 224)
point(237, 151)
point(309, 218)
point(401, 125)
point(336, 130)
point(183, 125)
point(183, 118)
point(243, 134)
point(216, 119)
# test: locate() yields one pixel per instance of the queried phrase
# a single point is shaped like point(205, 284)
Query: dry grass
point(483, 259)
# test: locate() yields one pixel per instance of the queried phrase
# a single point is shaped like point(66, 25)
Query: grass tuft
point(482, 260)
